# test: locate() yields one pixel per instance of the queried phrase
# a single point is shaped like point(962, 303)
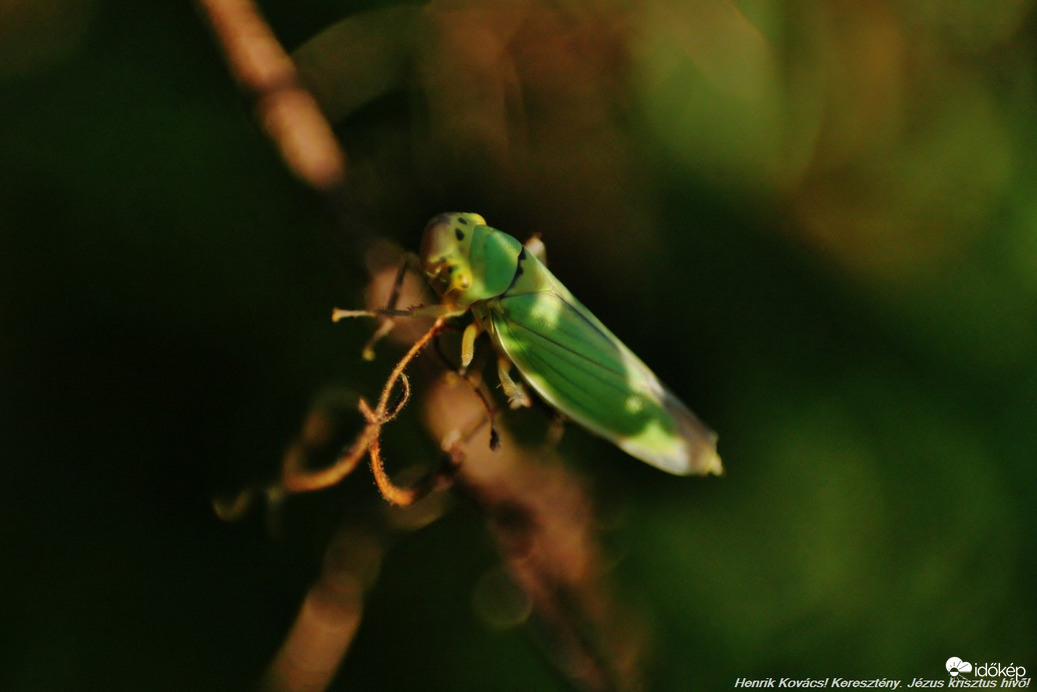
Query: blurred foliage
point(816, 220)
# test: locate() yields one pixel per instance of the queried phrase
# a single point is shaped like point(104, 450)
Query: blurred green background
point(817, 221)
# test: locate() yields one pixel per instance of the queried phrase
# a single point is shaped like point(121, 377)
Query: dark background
point(816, 221)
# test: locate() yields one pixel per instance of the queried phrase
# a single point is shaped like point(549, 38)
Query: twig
point(288, 112)
point(329, 616)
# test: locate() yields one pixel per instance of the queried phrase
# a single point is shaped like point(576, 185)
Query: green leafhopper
point(560, 349)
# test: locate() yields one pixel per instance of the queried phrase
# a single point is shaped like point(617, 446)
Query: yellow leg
point(516, 393)
point(471, 333)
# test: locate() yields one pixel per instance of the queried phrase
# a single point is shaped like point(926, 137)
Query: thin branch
point(288, 112)
point(329, 616)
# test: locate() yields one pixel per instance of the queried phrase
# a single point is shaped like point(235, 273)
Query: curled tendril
point(296, 478)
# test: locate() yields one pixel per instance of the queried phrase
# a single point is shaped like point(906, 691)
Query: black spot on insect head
point(463, 220)
point(459, 234)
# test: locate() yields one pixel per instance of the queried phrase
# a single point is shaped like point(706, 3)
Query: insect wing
point(579, 367)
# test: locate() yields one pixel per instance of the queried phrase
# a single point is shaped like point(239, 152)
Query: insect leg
point(556, 429)
point(383, 331)
point(417, 311)
point(478, 385)
point(516, 393)
point(537, 248)
point(409, 261)
point(471, 333)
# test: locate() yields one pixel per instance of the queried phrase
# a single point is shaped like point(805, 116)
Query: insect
point(560, 349)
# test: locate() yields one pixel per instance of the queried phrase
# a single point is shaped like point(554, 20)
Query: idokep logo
point(956, 666)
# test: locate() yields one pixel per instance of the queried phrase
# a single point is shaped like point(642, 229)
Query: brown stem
point(288, 112)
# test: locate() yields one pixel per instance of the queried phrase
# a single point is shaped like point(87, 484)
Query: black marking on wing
point(518, 270)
